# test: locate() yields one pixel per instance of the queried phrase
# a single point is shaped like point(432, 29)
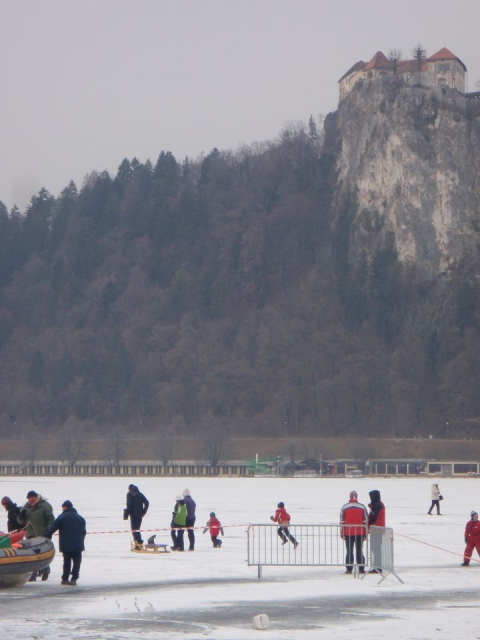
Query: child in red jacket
point(472, 538)
point(215, 527)
point(282, 517)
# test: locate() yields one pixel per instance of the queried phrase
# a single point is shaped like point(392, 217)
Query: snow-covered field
point(213, 593)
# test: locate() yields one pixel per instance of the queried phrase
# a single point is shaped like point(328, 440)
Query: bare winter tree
point(116, 443)
point(215, 442)
point(30, 451)
point(419, 54)
point(72, 445)
point(395, 55)
point(165, 445)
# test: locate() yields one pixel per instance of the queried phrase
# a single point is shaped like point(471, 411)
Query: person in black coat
point(13, 511)
point(137, 507)
point(72, 531)
point(191, 517)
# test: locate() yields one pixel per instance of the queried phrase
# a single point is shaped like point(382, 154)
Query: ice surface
point(213, 593)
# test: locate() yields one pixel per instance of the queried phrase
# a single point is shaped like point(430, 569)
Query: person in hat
point(191, 508)
point(215, 527)
point(436, 497)
point(377, 518)
point(179, 520)
point(137, 507)
point(13, 511)
point(37, 515)
point(72, 530)
point(283, 518)
point(353, 530)
point(472, 538)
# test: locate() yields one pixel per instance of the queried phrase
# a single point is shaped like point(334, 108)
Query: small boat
point(19, 562)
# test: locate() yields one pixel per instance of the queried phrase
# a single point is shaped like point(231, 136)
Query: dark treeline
point(217, 295)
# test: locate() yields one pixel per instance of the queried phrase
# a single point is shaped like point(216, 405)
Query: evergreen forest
point(217, 295)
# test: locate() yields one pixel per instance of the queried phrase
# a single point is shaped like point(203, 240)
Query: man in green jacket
point(37, 515)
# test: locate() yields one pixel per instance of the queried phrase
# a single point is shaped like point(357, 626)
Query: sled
point(149, 548)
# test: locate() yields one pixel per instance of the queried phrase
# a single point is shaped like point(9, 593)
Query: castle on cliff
point(443, 69)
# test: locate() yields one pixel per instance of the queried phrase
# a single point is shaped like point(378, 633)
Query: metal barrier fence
point(318, 545)
point(381, 551)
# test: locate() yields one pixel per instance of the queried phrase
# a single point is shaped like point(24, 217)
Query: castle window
point(443, 67)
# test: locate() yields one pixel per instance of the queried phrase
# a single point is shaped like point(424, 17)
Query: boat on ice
point(19, 561)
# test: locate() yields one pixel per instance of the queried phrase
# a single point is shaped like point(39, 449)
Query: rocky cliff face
point(411, 158)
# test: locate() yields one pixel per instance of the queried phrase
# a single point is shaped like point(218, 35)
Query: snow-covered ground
point(213, 593)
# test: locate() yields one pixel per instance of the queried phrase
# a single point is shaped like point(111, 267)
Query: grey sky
point(86, 83)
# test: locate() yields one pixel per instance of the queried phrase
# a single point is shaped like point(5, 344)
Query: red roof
point(379, 61)
point(445, 54)
point(405, 66)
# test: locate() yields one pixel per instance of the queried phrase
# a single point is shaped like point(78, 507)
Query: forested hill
point(221, 295)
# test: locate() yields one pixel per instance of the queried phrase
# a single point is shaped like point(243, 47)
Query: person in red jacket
point(215, 527)
point(376, 517)
point(283, 518)
point(472, 538)
point(353, 529)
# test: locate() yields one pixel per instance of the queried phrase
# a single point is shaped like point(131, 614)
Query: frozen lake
point(213, 593)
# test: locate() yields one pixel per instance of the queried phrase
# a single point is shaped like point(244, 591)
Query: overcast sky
point(86, 83)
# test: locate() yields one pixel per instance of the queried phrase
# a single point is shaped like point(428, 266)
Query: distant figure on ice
point(283, 518)
point(137, 507)
point(472, 538)
point(72, 531)
point(179, 520)
point(37, 514)
point(191, 507)
point(436, 497)
point(353, 529)
point(12, 514)
point(215, 527)
point(376, 517)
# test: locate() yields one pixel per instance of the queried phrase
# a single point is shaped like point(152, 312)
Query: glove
point(125, 514)
point(204, 531)
point(271, 518)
